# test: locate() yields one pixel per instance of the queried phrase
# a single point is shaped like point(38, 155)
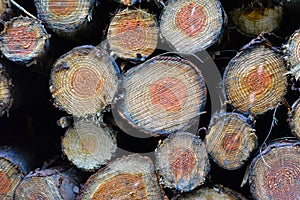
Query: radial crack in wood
point(164, 94)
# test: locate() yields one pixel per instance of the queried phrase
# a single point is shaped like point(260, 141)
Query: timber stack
point(114, 100)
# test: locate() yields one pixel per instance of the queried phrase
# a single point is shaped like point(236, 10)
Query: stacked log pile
point(114, 99)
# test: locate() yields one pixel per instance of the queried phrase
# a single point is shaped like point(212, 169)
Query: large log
point(89, 145)
point(182, 161)
point(294, 119)
point(190, 25)
point(254, 80)
point(83, 81)
point(156, 97)
point(132, 177)
point(275, 172)
point(24, 40)
point(230, 140)
point(132, 34)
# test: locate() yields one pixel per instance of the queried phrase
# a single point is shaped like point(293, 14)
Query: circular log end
point(254, 80)
point(292, 49)
point(274, 174)
point(10, 176)
point(89, 146)
point(84, 81)
point(191, 26)
point(182, 161)
point(130, 177)
point(156, 96)
point(23, 39)
point(230, 141)
point(253, 21)
point(6, 98)
point(64, 16)
point(132, 34)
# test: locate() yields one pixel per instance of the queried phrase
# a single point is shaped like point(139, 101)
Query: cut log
point(253, 19)
point(130, 177)
point(275, 172)
point(217, 192)
point(13, 167)
point(65, 17)
point(24, 40)
point(190, 25)
point(254, 80)
point(157, 98)
point(88, 145)
point(83, 81)
point(230, 140)
point(292, 51)
point(182, 161)
point(294, 119)
point(6, 96)
point(132, 34)
point(56, 183)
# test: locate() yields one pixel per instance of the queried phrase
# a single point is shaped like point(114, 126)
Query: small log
point(230, 140)
point(88, 145)
point(292, 51)
point(83, 81)
point(275, 172)
point(54, 183)
point(254, 80)
point(13, 166)
point(294, 119)
point(190, 25)
point(182, 161)
point(133, 34)
point(24, 40)
point(6, 96)
point(156, 97)
point(130, 177)
point(65, 17)
point(254, 18)
point(217, 192)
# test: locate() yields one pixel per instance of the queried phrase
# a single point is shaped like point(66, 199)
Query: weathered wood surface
point(83, 81)
point(132, 177)
point(89, 145)
point(182, 161)
point(230, 140)
point(156, 97)
point(24, 40)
